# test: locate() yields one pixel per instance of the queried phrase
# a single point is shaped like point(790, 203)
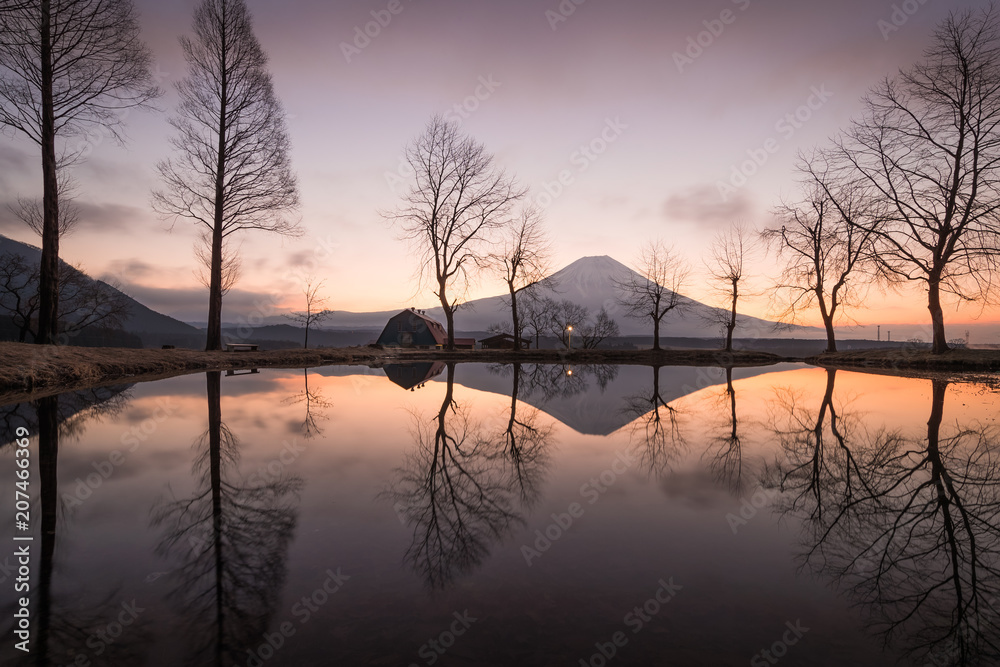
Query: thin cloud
point(702, 204)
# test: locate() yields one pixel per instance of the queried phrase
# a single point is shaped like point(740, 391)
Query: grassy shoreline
point(29, 371)
point(959, 360)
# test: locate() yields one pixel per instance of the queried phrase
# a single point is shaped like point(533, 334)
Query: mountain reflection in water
point(208, 532)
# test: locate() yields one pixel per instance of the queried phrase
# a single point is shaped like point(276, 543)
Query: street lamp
point(570, 330)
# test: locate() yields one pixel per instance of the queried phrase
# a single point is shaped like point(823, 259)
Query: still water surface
point(476, 515)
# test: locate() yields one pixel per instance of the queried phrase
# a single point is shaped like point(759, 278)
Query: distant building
point(414, 329)
point(503, 341)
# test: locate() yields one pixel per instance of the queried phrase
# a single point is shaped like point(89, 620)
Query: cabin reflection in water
point(413, 376)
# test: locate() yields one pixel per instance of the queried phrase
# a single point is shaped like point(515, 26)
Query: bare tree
point(459, 196)
point(523, 261)
point(826, 248)
point(564, 317)
point(315, 313)
point(232, 264)
point(655, 290)
point(67, 66)
point(592, 334)
point(727, 273)
point(83, 302)
point(31, 213)
point(232, 170)
point(928, 144)
point(533, 316)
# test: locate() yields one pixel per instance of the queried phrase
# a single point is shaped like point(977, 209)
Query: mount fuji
point(590, 282)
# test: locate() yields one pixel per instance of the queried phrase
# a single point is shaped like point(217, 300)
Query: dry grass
point(907, 359)
point(31, 371)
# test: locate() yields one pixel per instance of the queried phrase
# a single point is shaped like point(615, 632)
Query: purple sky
point(553, 87)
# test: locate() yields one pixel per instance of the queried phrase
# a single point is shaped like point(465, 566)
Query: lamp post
point(570, 330)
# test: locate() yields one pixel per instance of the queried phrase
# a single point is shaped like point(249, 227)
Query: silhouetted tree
point(232, 263)
point(725, 447)
point(595, 332)
point(315, 313)
point(730, 253)
point(656, 428)
point(83, 302)
point(459, 197)
point(533, 316)
point(524, 262)
point(315, 404)
point(928, 145)
point(827, 245)
point(455, 493)
point(32, 213)
point(561, 315)
point(67, 66)
point(655, 290)
point(905, 525)
point(232, 170)
point(230, 541)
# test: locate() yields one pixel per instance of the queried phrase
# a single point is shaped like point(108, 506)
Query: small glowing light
point(569, 372)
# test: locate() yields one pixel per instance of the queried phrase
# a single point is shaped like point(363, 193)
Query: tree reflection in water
point(724, 450)
point(66, 622)
point(463, 486)
point(655, 429)
point(315, 405)
point(908, 526)
point(230, 543)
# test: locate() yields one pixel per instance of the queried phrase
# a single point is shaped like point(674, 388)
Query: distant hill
point(154, 328)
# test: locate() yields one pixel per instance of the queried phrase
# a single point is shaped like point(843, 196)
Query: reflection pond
point(511, 515)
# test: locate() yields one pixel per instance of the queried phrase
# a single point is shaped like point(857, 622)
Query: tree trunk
point(656, 333)
point(48, 281)
point(514, 317)
point(940, 342)
point(831, 336)
point(827, 315)
point(305, 344)
point(214, 340)
point(47, 410)
point(214, 391)
point(449, 314)
point(731, 325)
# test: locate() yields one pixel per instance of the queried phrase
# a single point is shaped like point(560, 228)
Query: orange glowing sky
point(554, 90)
